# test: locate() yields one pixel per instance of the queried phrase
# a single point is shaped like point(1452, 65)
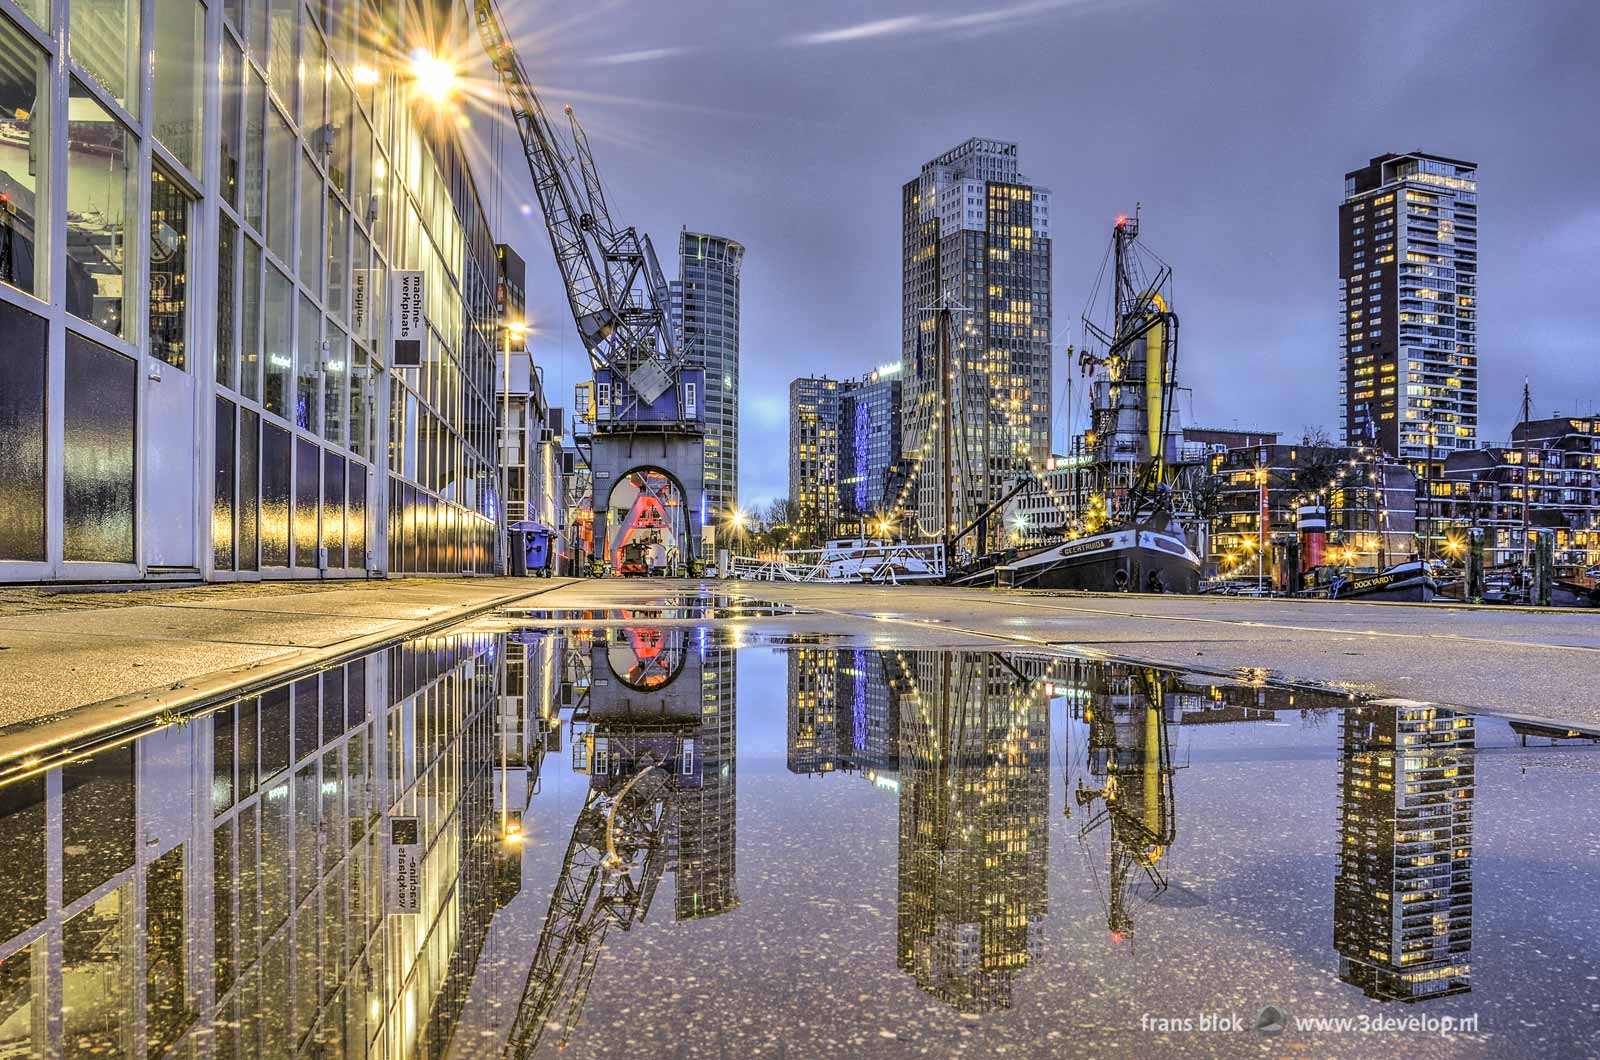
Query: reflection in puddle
point(893, 850)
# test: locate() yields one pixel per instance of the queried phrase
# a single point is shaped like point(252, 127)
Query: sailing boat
point(1139, 548)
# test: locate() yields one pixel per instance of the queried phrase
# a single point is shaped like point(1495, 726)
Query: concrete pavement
point(74, 660)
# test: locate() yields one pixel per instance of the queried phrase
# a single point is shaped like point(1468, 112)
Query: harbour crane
point(647, 386)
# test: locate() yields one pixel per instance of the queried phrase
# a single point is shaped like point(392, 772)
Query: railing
point(871, 564)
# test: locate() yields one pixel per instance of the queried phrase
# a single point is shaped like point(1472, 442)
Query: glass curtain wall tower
point(201, 206)
point(705, 309)
point(976, 238)
point(1408, 306)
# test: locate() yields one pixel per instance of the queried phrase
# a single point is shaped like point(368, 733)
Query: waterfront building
point(1485, 488)
point(220, 887)
point(705, 309)
point(813, 743)
point(1408, 306)
point(814, 454)
point(708, 813)
point(976, 239)
point(530, 430)
point(204, 208)
point(1402, 899)
point(869, 444)
point(1371, 502)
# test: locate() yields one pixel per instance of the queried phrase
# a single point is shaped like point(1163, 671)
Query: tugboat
point(1138, 546)
point(1410, 582)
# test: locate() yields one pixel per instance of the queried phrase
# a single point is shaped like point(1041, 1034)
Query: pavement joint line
point(1255, 624)
point(44, 743)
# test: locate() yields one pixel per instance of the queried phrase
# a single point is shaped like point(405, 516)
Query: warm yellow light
point(517, 330)
point(364, 75)
point(435, 78)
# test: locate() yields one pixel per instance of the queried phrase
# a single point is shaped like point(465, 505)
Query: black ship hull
point(1129, 560)
point(1405, 583)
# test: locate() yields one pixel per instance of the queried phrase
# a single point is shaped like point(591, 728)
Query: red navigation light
point(1116, 936)
point(1122, 219)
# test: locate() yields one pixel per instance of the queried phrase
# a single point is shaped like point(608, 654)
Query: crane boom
point(600, 265)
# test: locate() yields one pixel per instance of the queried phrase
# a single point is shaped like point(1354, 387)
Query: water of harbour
point(641, 835)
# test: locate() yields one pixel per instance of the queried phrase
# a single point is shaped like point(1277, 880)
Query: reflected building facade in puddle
point(1403, 895)
point(220, 883)
point(964, 738)
point(974, 837)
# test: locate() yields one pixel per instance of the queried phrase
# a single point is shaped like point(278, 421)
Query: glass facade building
point(814, 453)
point(869, 441)
point(201, 206)
point(975, 238)
point(705, 309)
point(1408, 306)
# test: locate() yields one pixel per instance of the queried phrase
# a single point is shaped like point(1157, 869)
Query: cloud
point(928, 24)
point(649, 55)
point(862, 30)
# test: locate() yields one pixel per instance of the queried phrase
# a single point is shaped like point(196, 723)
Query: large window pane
point(97, 837)
point(315, 71)
point(307, 493)
point(278, 344)
point(338, 255)
point(341, 114)
point(282, 67)
point(310, 225)
point(169, 269)
point(307, 401)
point(249, 489)
point(277, 455)
point(23, 339)
point(175, 79)
point(222, 528)
point(333, 509)
point(165, 947)
point(355, 521)
point(227, 285)
point(99, 412)
point(253, 182)
point(99, 161)
point(229, 66)
point(335, 369)
point(280, 186)
point(363, 404)
point(24, 153)
point(96, 959)
point(250, 321)
point(104, 39)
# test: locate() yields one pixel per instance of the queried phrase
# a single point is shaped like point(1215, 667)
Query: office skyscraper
point(814, 452)
point(869, 440)
point(976, 236)
point(705, 307)
point(1408, 305)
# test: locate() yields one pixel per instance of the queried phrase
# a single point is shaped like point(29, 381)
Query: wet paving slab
point(671, 838)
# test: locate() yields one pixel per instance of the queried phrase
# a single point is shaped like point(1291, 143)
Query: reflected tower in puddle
point(1128, 790)
point(974, 801)
point(217, 887)
point(1402, 914)
point(844, 714)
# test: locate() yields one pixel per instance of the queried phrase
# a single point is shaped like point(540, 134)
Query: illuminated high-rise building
point(976, 238)
point(814, 453)
point(705, 307)
point(1408, 306)
point(1402, 899)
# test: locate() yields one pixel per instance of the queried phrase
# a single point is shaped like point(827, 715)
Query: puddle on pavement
point(677, 841)
point(692, 607)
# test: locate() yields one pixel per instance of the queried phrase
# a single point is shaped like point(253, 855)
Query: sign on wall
point(405, 865)
point(410, 330)
point(361, 304)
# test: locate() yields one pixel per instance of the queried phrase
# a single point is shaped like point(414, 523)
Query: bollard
point(1475, 565)
point(1544, 565)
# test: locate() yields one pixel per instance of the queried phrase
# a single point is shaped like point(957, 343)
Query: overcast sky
point(792, 126)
